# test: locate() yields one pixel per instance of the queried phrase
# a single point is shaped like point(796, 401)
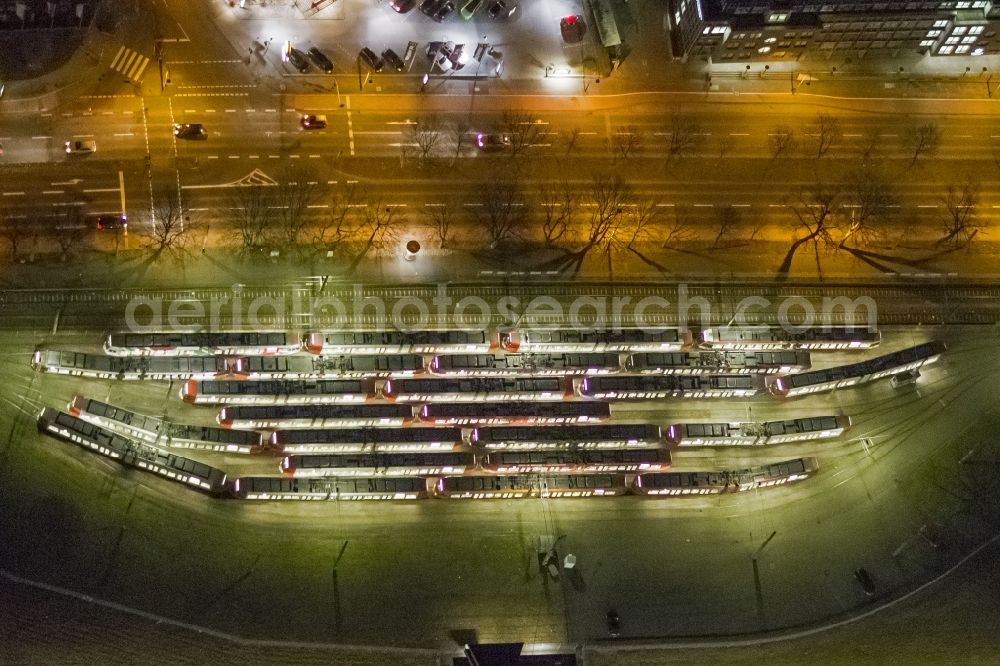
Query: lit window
point(770, 40)
point(969, 40)
point(963, 5)
point(927, 42)
point(719, 30)
point(976, 30)
point(959, 30)
point(962, 49)
point(764, 49)
point(945, 50)
point(933, 33)
point(777, 18)
point(951, 40)
point(940, 24)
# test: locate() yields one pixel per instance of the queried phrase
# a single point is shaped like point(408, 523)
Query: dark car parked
point(370, 59)
point(444, 11)
point(298, 60)
point(320, 60)
point(392, 59)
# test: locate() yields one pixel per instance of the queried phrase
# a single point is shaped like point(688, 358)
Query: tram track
point(304, 305)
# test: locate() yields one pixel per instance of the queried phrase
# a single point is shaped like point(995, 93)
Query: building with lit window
point(743, 30)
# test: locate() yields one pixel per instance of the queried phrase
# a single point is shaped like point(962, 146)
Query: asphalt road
point(731, 164)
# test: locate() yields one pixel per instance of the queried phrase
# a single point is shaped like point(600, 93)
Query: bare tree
point(680, 230)
point(441, 217)
point(297, 189)
point(640, 222)
point(923, 140)
point(559, 204)
point(685, 136)
point(379, 228)
point(251, 209)
point(459, 130)
point(570, 139)
point(868, 148)
point(627, 140)
point(521, 127)
point(609, 197)
point(962, 223)
point(14, 231)
point(425, 134)
point(727, 220)
point(814, 211)
point(827, 132)
point(503, 210)
point(167, 232)
point(336, 228)
point(781, 141)
point(872, 201)
point(69, 237)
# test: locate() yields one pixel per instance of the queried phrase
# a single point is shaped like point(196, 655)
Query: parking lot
point(530, 40)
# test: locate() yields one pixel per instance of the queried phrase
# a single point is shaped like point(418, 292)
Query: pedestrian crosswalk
point(130, 63)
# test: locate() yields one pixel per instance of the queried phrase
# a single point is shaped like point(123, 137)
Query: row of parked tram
point(397, 366)
point(449, 438)
point(353, 477)
point(555, 340)
point(545, 389)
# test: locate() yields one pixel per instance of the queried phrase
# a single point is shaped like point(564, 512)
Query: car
point(499, 9)
point(312, 121)
point(573, 28)
point(111, 222)
point(614, 624)
point(492, 142)
point(393, 60)
point(402, 6)
point(428, 7)
point(444, 11)
point(459, 57)
point(320, 60)
point(441, 53)
point(81, 147)
point(469, 8)
point(298, 60)
point(370, 59)
point(190, 131)
point(867, 584)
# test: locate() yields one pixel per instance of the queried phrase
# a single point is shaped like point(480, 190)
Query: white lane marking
point(52, 191)
point(102, 189)
point(314, 156)
point(124, 133)
point(13, 194)
point(274, 157)
point(41, 137)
